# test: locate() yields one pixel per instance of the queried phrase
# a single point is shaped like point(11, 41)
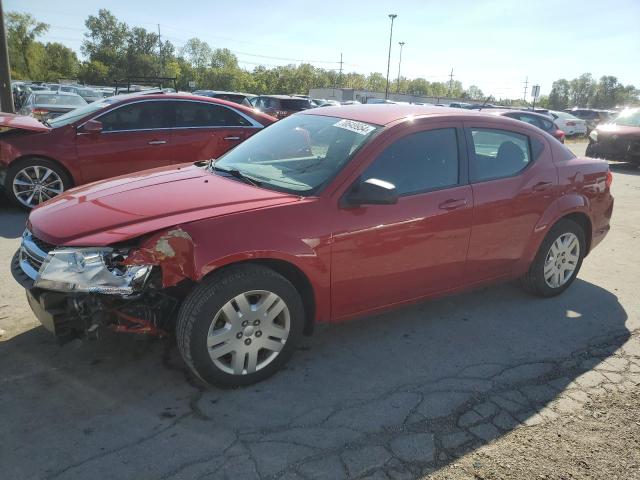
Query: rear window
point(295, 104)
point(52, 99)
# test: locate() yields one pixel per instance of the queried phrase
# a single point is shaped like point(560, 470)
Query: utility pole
point(450, 83)
point(392, 16)
point(526, 84)
point(160, 52)
point(399, 63)
point(340, 74)
point(6, 97)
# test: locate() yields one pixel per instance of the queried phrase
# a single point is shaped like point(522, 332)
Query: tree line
point(113, 50)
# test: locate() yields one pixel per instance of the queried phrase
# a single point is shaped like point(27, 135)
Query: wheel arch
point(291, 272)
point(31, 156)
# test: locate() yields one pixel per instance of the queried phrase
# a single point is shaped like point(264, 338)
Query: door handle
point(157, 142)
point(453, 203)
point(231, 138)
point(540, 186)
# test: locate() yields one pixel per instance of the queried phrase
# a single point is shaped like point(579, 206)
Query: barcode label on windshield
point(353, 126)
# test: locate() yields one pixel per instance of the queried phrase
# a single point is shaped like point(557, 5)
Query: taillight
point(609, 179)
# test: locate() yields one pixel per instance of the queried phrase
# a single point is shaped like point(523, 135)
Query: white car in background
point(568, 123)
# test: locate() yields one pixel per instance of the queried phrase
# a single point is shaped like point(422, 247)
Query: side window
point(419, 162)
point(498, 154)
point(530, 119)
point(135, 116)
point(547, 125)
point(197, 114)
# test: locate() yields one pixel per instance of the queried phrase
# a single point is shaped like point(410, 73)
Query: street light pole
point(392, 16)
point(399, 63)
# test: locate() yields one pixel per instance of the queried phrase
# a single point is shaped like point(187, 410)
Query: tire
point(589, 152)
point(52, 181)
point(534, 280)
point(211, 319)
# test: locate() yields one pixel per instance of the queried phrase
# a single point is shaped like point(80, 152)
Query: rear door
point(205, 130)
point(135, 136)
point(513, 179)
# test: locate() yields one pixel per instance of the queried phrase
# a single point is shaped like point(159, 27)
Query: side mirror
point(92, 126)
point(371, 192)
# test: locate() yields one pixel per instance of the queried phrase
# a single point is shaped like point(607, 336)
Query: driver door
point(389, 254)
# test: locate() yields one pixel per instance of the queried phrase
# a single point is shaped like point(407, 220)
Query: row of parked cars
point(79, 142)
point(325, 215)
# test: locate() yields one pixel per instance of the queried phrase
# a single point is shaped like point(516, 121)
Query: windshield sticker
point(353, 126)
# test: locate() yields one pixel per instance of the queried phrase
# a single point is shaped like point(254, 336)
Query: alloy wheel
point(562, 260)
point(248, 332)
point(36, 184)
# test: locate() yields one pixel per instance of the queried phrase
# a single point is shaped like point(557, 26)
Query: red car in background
point(329, 214)
point(116, 136)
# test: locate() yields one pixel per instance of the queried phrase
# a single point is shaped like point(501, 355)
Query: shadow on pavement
point(12, 219)
point(627, 168)
point(405, 392)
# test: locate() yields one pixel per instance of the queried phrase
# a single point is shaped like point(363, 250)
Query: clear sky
point(494, 44)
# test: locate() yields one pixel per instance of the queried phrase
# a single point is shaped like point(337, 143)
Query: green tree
point(22, 31)
point(58, 62)
point(559, 96)
point(582, 90)
point(107, 42)
point(474, 93)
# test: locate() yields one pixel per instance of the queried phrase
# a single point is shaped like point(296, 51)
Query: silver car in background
point(45, 105)
point(569, 124)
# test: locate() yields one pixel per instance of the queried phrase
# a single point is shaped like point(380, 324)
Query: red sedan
point(115, 136)
point(329, 214)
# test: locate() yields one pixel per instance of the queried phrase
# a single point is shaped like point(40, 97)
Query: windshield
point(78, 113)
point(53, 99)
point(628, 118)
point(300, 153)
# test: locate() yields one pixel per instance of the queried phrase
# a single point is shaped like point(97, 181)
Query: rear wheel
point(558, 260)
point(240, 326)
point(33, 181)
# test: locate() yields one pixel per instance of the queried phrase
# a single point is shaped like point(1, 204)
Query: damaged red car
point(116, 136)
point(327, 215)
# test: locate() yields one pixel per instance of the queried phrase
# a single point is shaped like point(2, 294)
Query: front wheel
point(558, 260)
point(240, 326)
point(33, 181)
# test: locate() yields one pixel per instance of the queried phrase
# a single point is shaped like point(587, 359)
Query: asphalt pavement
point(392, 396)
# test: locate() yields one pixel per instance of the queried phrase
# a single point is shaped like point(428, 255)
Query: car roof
point(286, 97)
point(497, 111)
point(220, 92)
point(55, 92)
point(385, 113)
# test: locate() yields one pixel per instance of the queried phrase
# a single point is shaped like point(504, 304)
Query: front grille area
point(42, 245)
point(33, 252)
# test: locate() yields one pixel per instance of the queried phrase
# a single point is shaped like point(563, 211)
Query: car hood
point(11, 121)
point(609, 129)
point(126, 207)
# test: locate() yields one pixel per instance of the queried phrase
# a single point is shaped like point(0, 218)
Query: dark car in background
point(46, 105)
point(543, 122)
point(281, 106)
point(619, 139)
point(235, 97)
point(592, 116)
point(116, 136)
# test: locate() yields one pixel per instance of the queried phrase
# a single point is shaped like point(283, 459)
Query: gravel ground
point(487, 385)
